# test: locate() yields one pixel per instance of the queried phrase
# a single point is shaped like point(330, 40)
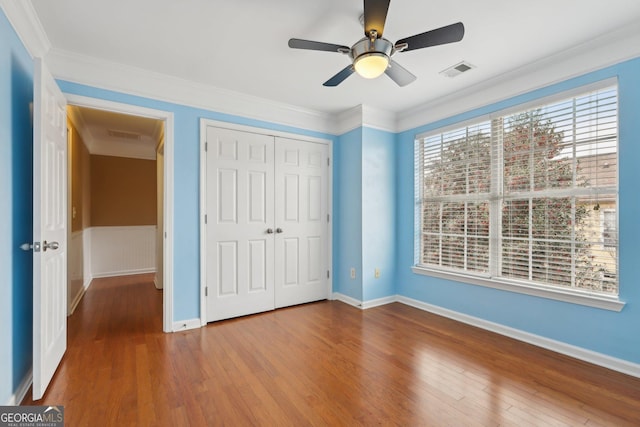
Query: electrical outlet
point(353, 273)
point(376, 273)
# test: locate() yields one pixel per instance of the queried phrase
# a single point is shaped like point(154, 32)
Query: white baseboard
point(185, 325)
point(124, 273)
point(76, 300)
point(580, 353)
point(378, 302)
point(346, 299)
point(22, 390)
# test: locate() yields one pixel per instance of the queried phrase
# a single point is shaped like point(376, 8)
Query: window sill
point(590, 300)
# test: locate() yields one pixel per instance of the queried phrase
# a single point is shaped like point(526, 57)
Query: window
point(609, 237)
point(524, 198)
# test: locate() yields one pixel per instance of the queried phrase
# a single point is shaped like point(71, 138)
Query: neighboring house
point(601, 227)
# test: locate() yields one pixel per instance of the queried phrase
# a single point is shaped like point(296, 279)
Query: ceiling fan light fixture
point(371, 65)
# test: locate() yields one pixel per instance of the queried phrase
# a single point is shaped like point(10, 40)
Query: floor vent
point(457, 69)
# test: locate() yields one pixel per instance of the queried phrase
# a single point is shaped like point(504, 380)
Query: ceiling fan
point(371, 55)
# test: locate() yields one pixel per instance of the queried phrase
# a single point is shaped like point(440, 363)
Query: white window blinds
point(527, 197)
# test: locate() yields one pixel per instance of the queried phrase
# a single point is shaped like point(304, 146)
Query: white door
point(49, 228)
point(301, 219)
point(239, 224)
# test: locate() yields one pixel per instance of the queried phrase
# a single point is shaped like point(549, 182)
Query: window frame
point(571, 295)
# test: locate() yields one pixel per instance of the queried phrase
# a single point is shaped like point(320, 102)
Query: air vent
point(123, 135)
point(457, 69)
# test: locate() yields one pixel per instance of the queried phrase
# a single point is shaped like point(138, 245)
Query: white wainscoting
point(76, 259)
point(121, 251)
point(77, 279)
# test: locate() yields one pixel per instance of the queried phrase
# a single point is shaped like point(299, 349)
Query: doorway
point(266, 236)
point(132, 153)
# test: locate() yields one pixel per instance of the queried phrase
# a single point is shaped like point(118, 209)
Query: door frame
point(204, 123)
point(167, 118)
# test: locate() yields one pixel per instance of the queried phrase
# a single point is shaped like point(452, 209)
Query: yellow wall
point(80, 181)
point(123, 191)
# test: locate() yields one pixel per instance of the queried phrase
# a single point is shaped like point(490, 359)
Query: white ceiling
point(241, 45)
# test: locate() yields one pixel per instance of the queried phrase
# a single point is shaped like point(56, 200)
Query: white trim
point(364, 116)
point(379, 302)
point(185, 325)
point(257, 129)
point(348, 120)
point(167, 117)
point(596, 358)
point(330, 223)
point(598, 53)
point(17, 397)
point(27, 25)
point(167, 270)
point(108, 75)
point(117, 273)
point(76, 300)
point(204, 123)
point(589, 300)
point(203, 226)
point(377, 118)
point(347, 299)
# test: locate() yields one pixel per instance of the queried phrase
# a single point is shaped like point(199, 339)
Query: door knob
point(269, 230)
point(50, 245)
point(278, 230)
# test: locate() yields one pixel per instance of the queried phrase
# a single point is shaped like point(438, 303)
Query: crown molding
point(25, 22)
point(377, 118)
point(348, 120)
point(117, 77)
point(77, 119)
point(598, 53)
point(364, 115)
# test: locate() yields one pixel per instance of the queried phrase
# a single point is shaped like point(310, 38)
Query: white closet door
point(240, 176)
point(301, 239)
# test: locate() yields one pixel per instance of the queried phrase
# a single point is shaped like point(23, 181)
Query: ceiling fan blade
point(399, 74)
point(340, 77)
point(311, 45)
point(449, 34)
point(375, 15)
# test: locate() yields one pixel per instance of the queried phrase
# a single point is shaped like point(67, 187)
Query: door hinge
point(328, 275)
point(328, 218)
point(328, 162)
point(206, 146)
point(206, 291)
point(205, 218)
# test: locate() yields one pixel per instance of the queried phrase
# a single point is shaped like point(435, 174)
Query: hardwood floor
point(324, 363)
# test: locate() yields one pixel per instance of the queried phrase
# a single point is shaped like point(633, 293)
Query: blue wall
point(378, 213)
point(186, 276)
point(16, 194)
point(365, 161)
point(347, 208)
point(607, 332)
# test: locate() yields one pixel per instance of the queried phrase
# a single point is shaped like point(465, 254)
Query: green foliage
point(539, 234)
